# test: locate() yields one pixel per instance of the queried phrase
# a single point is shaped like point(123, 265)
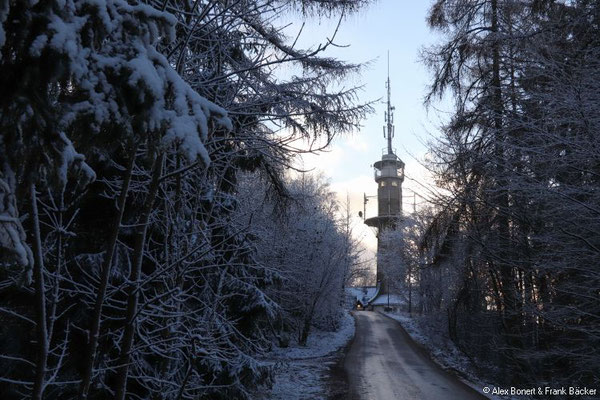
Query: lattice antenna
point(388, 129)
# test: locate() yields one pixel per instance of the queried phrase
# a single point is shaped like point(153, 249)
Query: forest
point(506, 257)
point(153, 244)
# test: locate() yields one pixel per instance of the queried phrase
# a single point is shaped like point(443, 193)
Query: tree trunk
point(40, 301)
point(307, 320)
point(59, 262)
point(104, 277)
point(133, 295)
point(511, 318)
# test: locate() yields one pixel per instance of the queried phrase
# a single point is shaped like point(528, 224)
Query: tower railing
point(405, 210)
point(379, 173)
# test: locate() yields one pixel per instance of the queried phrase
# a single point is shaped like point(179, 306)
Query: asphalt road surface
point(383, 363)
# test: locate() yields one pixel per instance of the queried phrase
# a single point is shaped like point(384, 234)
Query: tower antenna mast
point(388, 130)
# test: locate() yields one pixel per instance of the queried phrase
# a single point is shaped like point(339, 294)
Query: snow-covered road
point(384, 364)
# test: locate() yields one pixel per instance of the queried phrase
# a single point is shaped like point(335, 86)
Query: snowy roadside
point(446, 354)
point(301, 372)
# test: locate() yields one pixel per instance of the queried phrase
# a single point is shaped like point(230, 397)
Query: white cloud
point(356, 142)
point(354, 190)
point(323, 161)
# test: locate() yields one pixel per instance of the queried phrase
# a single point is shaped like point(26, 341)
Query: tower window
point(394, 183)
point(382, 183)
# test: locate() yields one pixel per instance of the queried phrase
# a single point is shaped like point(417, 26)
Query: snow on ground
point(362, 294)
point(443, 351)
point(301, 372)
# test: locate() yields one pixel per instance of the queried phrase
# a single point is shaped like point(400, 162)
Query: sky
point(397, 26)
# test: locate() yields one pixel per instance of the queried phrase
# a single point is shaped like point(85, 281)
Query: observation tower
point(389, 175)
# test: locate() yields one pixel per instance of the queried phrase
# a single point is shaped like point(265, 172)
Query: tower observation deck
point(389, 175)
